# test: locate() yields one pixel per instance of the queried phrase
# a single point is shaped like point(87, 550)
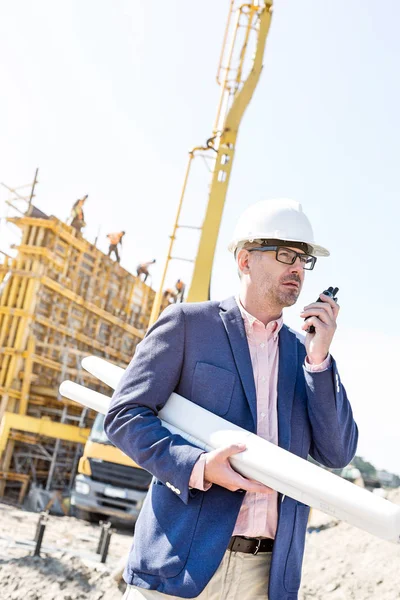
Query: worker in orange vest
point(143, 269)
point(169, 295)
point(115, 239)
point(180, 290)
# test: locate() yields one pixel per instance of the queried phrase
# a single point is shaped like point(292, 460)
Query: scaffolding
point(61, 299)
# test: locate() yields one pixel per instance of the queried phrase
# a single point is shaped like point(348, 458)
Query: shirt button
point(263, 378)
point(262, 415)
point(262, 345)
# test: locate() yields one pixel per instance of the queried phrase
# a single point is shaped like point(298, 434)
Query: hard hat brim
point(315, 249)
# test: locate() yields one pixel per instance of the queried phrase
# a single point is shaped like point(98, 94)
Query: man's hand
point(218, 470)
point(323, 316)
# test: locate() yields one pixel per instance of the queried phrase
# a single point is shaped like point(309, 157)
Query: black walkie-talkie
point(331, 292)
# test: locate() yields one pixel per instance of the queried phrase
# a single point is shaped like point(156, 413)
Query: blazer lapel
point(233, 322)
point(286, 384)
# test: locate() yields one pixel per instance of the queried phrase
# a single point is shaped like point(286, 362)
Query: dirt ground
point(68, 569)
point(345, 563)
point(341, 562)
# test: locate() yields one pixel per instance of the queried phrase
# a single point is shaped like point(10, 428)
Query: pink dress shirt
point(258, 516)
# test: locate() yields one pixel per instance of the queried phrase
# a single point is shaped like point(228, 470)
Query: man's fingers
point(319, 308)
point(219, 470)
point(231, 450)
point(321, 314)
point(249, 485)
point(318, 323)
point(265, 488)
point(330, 301)
point(327, 304)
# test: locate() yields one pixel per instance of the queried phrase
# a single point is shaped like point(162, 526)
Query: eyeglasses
point(288, 256)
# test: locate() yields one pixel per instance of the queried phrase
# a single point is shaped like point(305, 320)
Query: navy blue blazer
point(201, 352)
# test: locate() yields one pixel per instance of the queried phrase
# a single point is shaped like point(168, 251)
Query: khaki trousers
point(239, 577)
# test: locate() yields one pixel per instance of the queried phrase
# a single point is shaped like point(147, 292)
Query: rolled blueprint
point(263, 461)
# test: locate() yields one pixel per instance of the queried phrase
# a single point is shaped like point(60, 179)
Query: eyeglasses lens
point(287, 256)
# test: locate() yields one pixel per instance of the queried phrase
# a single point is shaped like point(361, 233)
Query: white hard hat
point(275, 220)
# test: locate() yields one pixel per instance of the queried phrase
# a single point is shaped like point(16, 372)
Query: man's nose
point(297, 266)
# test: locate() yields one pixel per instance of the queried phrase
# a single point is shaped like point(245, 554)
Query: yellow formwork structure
point(61, 299)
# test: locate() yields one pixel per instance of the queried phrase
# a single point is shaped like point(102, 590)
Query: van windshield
point(97, 433)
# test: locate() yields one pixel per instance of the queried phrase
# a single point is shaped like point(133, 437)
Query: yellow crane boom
point(238, 74)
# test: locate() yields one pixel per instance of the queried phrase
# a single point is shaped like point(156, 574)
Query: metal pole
point(100, 544)
point(106, 542)
point(82, 421)
point(35, 181)
point(55, 456)
point(97, 237)
point(157, 300)
point(41, 516)
point(40, 533)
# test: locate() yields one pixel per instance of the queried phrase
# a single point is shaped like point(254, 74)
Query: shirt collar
point(273, 327)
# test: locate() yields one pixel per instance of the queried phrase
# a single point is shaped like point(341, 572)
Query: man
point(169, 295)
point(115, 239)
point(77, 216)
point(204, 530)
point(143, 269)
point(180, 290)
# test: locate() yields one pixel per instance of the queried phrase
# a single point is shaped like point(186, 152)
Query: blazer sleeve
point(334, 431)
point(132, 423)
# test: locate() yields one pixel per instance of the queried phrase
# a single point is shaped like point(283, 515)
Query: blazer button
point(168, 485)
point(177, 491)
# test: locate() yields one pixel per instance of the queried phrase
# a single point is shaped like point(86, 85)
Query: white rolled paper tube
point(103, 370)
point(101, 403)
point(271, 465)
point(85, 396)
point(286, 472)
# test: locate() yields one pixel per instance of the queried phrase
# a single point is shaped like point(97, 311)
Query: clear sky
point(106, 98)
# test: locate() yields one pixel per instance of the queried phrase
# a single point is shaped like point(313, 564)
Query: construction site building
point(61, 299)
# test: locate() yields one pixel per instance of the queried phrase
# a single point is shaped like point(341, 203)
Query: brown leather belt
point(239, 543)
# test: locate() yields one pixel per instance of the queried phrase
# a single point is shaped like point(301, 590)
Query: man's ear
point(243, 257)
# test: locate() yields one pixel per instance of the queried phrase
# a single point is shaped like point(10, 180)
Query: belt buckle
point(258, 547)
